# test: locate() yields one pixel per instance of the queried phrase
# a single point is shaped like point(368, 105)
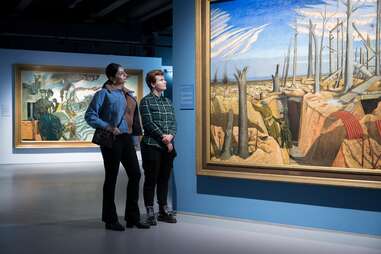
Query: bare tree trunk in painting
point(276, 81)
point(378, 28)
point(295, 56)
point(287, 65)
point(310, 57)
point(324, 22)
point(317, 71)
point(226, 150)
point(369, 52)
point(337, 46)
point(348, 75)
point(330, 52)
point(243, 137)
point(342, 47)
point(283, 69)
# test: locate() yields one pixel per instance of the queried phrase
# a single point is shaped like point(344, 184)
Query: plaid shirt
point(158, 118)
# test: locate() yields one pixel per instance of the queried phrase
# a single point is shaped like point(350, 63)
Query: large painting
point(51, 101)
point(289, 90)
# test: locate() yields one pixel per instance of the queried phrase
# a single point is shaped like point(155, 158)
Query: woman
point(159, 123)
point(113, 108)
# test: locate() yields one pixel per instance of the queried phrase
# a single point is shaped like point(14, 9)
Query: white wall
point(9, 155)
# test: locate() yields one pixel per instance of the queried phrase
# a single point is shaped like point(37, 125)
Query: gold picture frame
point(50, 102)
point(208, 163)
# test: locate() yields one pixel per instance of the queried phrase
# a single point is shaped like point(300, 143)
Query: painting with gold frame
point(291, 97)
point(50, 103)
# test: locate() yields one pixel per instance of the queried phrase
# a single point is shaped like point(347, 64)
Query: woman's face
point(161, 84)
point(120, 76)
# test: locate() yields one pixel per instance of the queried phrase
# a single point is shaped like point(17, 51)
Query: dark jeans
point(122, 151)
point(157, 165)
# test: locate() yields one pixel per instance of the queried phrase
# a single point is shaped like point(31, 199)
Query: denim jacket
point(108, 107)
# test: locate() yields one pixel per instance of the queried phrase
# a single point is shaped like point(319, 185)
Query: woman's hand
point(114, 130)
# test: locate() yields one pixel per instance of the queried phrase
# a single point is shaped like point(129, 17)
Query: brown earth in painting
point(320, 131)
point(359, 153)
point(256, 139)
point(369, 125)
point(258, 136)
point(267, 152)
point(362, 153)
point(332, 148)
point(220, 107)
point(321, 137)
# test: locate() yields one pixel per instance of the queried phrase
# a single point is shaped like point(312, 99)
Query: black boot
point(165, 215)
point(114, 226)
point(151, 220)
point(138, 224)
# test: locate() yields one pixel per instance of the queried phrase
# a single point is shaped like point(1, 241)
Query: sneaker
point(151, 219)
point(166, 216)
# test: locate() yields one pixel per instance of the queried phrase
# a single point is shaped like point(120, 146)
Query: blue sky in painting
point(278, 13)
point(272, 42)
point(258, 33)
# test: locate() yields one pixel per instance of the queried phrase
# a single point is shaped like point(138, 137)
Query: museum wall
point(165, 52)
point(8, 57)
point(327, 207)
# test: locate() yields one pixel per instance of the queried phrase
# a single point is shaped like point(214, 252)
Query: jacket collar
point(125, 90)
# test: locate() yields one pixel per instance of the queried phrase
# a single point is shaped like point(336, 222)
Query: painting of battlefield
point(54, 100)
point(295, 83)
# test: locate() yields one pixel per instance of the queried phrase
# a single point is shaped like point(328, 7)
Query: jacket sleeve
point(92, 112)
point(150, 127)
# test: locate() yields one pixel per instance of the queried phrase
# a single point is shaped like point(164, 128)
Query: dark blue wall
point(337, 208)
point(165, 53)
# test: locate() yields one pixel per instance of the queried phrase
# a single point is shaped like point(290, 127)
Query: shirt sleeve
point(92, 112)
point(149, 126)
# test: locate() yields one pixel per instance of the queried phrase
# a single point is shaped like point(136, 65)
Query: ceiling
point(126, 27)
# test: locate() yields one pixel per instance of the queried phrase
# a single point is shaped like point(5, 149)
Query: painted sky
point(273, 21)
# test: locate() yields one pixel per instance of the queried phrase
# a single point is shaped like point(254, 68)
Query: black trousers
point(123, 151)
point(157, 165)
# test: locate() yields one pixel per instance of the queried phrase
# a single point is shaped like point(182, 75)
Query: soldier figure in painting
point(270, 121)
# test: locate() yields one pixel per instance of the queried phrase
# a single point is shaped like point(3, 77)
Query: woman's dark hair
point(112, 69)
point(151, 77)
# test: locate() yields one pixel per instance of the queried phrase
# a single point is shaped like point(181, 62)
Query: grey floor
point(55, 208)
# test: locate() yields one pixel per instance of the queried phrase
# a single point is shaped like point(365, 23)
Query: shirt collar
point(155, 96)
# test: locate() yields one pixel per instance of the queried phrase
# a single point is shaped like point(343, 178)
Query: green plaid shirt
point(158, 118)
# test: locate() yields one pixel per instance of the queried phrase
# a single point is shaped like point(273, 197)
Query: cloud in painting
point(227, 40)
point(364, 17)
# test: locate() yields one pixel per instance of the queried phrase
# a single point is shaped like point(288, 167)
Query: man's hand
point(167, 138)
